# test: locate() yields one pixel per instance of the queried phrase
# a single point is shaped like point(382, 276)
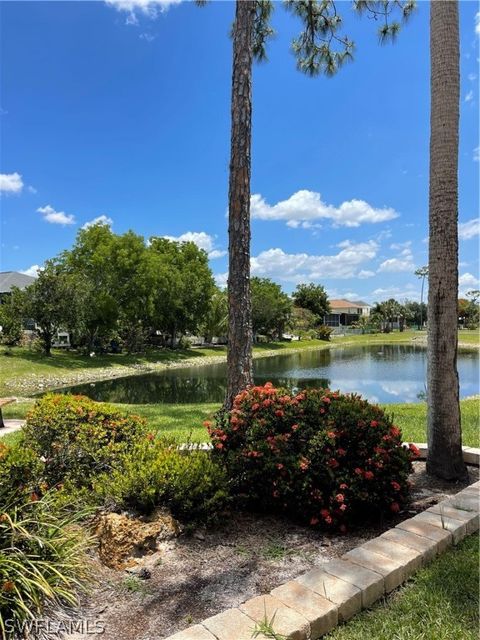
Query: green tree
point(183, 287)
point(303, 321)
point(365, 323)
point(89, 262)
point(445, 457)
point(51, 302)
point(417, 312)
point(312, 297)
point(468, 313)
point(389, 312)
point(216, 319)
point(11, 319)
point(271, 308)
point(132, 288)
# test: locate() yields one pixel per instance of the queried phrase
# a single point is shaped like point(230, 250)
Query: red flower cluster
point(317, 455)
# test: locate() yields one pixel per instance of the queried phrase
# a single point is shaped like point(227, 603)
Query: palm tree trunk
point(239, 359)
point(444, 431)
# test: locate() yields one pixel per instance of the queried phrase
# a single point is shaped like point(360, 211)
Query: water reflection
point(381, 373)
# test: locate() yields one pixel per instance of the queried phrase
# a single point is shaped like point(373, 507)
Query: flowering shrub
point(78, 438)
point(321, 456)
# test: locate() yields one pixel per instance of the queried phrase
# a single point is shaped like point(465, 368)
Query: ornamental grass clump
point(323, 457)
point(43, 565)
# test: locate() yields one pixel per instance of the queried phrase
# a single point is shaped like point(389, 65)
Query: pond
point(388, 373)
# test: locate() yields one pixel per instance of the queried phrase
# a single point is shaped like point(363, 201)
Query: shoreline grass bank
point(24, 372)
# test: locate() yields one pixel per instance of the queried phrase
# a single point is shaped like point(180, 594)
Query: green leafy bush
point(21, 473)
point(43, 565)
point(324, 332)
point(190, 484)
point(321, 456)
point(78, 438)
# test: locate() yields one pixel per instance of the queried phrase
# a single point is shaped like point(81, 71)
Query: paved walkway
point(11, 426)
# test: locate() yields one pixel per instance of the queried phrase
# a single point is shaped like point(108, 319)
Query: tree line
point(113, 291)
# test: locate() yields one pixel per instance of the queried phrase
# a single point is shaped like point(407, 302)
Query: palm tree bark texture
point(239, 358)
point(445, 458)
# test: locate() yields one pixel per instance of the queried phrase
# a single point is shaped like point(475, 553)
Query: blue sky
point(121, 110)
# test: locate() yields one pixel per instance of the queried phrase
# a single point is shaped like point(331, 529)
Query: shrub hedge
point(318, 455)
point(78, 438)
point(190, 484)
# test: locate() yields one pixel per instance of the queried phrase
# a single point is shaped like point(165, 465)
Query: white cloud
point(395, 265)
point(363, 274)
point(305, 206)
point(275, 263)
point(202, 240)
point(402, 293)
point(31, 189)
point(99, 220)
point(476, 154)
point(148, 37)
point(32, 271)
point(150, 8)
point(216, 253)
point(468, 230)
point(468, 280)
point(472, 77)
point(11, 183)
point(401, 245)
point(469, 96)
point(477, 23)
point(403, 262)
point(56, 217)
point(221, 279)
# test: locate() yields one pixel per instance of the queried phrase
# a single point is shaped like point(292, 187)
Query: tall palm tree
point(445, 458)
point(422, 273)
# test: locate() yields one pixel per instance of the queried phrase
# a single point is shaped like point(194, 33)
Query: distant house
point(344, 313)
point(10, 279)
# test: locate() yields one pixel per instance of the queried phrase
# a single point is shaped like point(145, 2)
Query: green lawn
point(472, 337)
point(440, 603)
point(184, 421)
point(19, 362)
point(412, 418)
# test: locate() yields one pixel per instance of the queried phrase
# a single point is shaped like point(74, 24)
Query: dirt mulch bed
point(194, 577)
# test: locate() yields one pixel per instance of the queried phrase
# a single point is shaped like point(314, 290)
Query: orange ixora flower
point(414, 450)
point(304, 463)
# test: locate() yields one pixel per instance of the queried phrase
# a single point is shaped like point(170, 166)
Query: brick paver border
point(311, 605)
